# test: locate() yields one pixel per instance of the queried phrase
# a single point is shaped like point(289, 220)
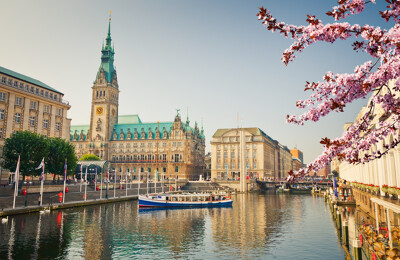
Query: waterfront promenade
point(74, 198)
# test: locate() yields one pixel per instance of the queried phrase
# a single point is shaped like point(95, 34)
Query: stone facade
point(264, 156)
point(174, 148)
point(29, 104)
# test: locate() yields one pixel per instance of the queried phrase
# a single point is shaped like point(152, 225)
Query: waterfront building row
point(379, 172)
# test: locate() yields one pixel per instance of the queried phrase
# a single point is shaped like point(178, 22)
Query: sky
point(211, 59)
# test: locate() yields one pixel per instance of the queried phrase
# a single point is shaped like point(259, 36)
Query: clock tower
point(105, 94)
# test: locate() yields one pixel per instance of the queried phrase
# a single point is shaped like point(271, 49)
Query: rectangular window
point(26, 87)
point(1, 133)
point(18, 101)
point(16, 84)
point(218, 147)
point(46, 109)
point(9, 82)
point(225, 155)
point(2, 96)
point(58, 126)
point(1, 114)
point(55, 97)
point(254, 165)
point(41, 92)
point(32, 89)
point(33, 105)
point(233, 165)
point(45, 124)
point(59, 112)
point(32, 120)
point(218, 165)
point(51, 95)
point(232, 155)
point(17, 118)
point(3, 80)
point(21, 85)
point(37, 91)
point(176, 168)
point(176, 157)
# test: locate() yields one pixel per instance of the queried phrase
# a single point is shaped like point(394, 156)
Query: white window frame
point(18, 101)
point(2, 96)
point(58, 125)
point(17, 115)
point(45, 124)
point(1, 114)
point(32, 120)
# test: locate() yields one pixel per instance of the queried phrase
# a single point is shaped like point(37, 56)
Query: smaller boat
point(181, 200)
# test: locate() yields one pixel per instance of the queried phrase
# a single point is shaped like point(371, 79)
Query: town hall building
point(175, 148)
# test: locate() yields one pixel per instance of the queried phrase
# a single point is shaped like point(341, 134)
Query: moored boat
point(176, 200)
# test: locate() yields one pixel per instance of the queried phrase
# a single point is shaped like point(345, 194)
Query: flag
point(65, 170)
point(335, 186)
point(41, 165)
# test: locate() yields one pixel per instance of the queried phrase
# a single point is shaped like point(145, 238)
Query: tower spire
point(107, 55)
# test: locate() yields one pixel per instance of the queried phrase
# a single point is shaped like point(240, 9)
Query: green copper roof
point(27, 79)
point(78, 129)
point(107, 57)
point(146, 127)
point(129, 119)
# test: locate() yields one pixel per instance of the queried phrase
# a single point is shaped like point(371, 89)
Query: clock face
point(99, 110)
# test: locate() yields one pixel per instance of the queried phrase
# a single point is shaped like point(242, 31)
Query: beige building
point(29, 104)
point(264, 156)
point(134, 147)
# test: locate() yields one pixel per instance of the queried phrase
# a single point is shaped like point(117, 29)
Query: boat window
point(167, 198)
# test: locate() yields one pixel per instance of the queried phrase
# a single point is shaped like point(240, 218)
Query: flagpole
point(65, 179)
point(138, 189)
point(86, 181)
point(101, 184)
point(80, 187)
point(155, 182)
point(115, 180)
point(126, 184)
point(41, 185)
point(16, 178)
point(147, 182)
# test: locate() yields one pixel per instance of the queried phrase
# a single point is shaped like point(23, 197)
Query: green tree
point(30, 147)
point(60, 150)
point(89, 157)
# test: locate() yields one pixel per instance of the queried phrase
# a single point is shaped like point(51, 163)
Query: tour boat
point(176, 200)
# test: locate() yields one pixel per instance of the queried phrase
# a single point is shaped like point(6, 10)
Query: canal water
point(257, 226)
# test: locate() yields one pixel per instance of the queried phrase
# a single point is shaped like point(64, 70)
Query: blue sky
point(210, 57)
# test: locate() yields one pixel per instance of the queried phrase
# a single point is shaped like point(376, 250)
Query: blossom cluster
point(336, 90)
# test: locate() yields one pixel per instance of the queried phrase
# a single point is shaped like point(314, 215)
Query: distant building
point(134, 147)
point(207, 168)
point(265, 157)
point(324, 172)
point(296, 164)
point(29, 104)
point(296, 153)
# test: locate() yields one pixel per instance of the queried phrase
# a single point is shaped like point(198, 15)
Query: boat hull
point(149, 203)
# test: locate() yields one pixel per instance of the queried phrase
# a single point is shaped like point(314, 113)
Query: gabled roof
point(139, 126)
point(27, 79)
point(79, 129)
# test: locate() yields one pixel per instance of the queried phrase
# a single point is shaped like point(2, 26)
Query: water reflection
point(258, 226)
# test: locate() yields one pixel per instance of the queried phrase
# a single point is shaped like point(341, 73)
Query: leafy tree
point(89, 157)
point(60, 150)
point(29, 146)
point(337, 90)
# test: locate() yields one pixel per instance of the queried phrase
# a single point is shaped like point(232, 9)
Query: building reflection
point(119, 230)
